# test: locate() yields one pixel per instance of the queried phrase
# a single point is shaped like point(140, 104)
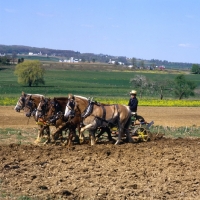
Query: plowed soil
point(162, 168)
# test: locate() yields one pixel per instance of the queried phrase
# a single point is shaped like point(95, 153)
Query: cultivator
point(139, 129)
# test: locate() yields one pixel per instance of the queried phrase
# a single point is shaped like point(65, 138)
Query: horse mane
point(60, 97)
point(40, 95)
point(81, 97)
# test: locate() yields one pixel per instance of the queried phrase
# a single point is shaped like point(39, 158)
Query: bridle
point(20, 104)
point(55, 111)
point(31, 106)
point(42, 108)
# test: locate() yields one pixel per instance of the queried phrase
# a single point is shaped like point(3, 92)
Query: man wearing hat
point(133, 101)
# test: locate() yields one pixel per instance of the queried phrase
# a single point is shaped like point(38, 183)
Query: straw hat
point(133, 92)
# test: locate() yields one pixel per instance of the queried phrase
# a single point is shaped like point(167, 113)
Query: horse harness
point(56, 112)
point(89, 110)
point(31, 106)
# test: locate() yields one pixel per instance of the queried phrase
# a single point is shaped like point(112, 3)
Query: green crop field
point(88, 83)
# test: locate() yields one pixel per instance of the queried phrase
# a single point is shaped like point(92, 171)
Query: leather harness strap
point(104, 112)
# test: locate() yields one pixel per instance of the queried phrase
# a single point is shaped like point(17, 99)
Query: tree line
point(91, 57)
point(8, 60)
point(180, 87)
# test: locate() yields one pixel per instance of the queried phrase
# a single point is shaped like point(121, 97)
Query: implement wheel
point(141, 134)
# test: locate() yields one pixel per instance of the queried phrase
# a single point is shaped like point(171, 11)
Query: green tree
point(20, 60)
point(183, 87)
point(140, 83)
point(30, 72)
point(161, 87)
point(195, 69)
point(5, 60)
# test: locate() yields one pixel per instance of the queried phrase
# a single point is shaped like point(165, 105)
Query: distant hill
point(56, 54)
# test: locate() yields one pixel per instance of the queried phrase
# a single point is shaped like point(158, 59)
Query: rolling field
point(89, 83)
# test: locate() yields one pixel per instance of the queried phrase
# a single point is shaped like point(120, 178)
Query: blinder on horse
point(47, 105)
point(56, 111)
point(41, 110)
point(30, 107)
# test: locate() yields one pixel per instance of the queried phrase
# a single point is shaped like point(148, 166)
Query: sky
point(144, 29)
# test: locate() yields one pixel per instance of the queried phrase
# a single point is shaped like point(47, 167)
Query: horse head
point(49, 110)
point(30, 106)
point(21, 102)
point(82, 103)
point(43, 107)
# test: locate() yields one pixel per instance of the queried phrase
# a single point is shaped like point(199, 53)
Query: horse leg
point(40, 133)
point(127, 132)
point(128, 136)
point(103, 130)
point(119, 138)
point(81, 139)
point(80, 134)
point(56, 135)
point(92, 137)
point(47, 128)
point(71, 135)
point(107, 129)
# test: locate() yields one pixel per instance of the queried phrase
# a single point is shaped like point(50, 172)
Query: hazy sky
point(147, 29)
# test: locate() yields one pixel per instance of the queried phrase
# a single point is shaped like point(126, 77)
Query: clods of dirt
point(159, 169)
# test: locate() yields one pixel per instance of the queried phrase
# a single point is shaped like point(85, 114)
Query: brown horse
point(65, 120)
point(96, 115)
point(52, 111)
point(29, 103)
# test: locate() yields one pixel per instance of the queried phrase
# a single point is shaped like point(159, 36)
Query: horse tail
point(128, 122)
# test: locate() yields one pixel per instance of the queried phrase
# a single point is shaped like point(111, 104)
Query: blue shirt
point(133, 103)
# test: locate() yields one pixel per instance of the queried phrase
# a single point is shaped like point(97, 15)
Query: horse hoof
point(118, 142)
point(37, 141)
point(81, 139)
point(93, 142)
point(112, 141)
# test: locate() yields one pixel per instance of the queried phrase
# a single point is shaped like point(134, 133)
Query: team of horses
point(87, 115)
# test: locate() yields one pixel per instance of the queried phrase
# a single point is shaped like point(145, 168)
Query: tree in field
point(20, 60)
point(183, 87)
point(195, 69)
point(161, 87)
point(5, 60)
point(140, 83)
point(30, 72)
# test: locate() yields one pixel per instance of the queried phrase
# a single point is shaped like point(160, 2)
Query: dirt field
point(160, 169)
point(165, 116)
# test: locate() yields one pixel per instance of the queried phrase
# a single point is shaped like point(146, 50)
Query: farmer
point(133, 102)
